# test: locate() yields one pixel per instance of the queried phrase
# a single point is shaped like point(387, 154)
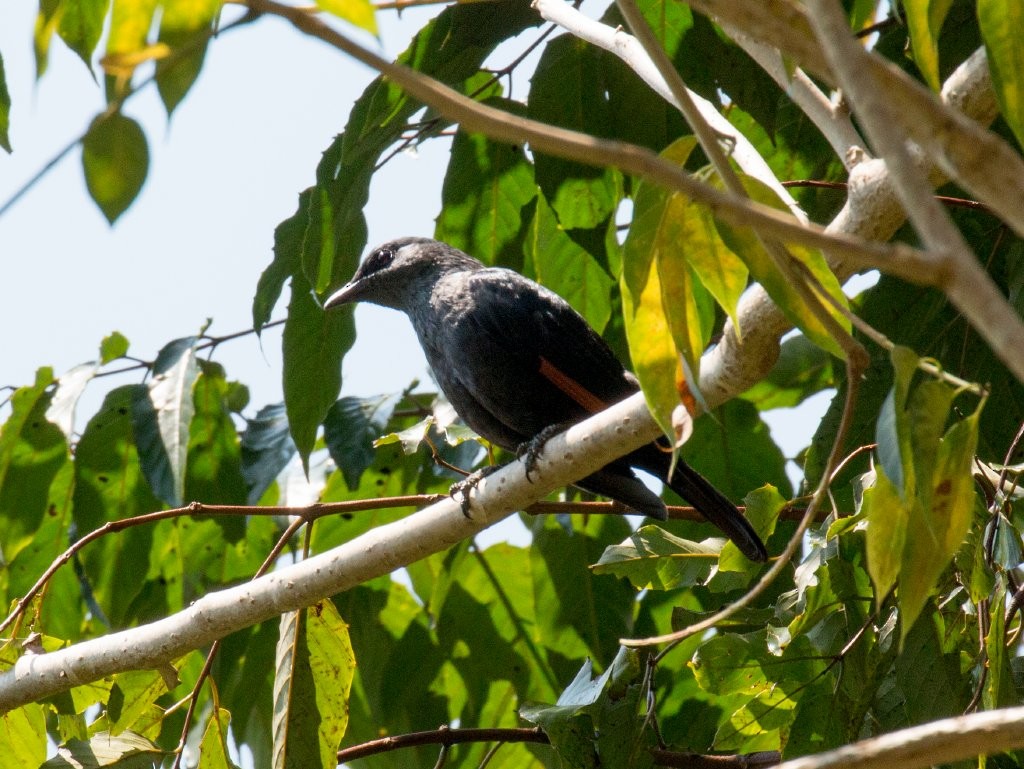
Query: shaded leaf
point(802, 370)
point(267, 446)
point(350, 429)
point(115, 158)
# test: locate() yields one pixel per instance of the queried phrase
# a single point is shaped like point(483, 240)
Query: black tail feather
point(709, 501)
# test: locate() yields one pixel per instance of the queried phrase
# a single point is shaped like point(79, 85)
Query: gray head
point(397, 272)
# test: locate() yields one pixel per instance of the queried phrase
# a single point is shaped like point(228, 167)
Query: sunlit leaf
point(356, 12)
point(162, 420)
point(654, 559)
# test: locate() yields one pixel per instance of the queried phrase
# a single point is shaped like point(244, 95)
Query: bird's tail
point(709, 501)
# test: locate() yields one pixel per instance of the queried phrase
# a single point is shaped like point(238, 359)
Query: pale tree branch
point(632, 53)
point(578, 452)
point(939, 742)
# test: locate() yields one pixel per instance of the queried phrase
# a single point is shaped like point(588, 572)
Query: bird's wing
point(528, 358)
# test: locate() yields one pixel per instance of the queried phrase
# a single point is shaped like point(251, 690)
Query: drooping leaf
point(314, 671)
point(130, 22)
point(213, 472)
point(745, 244)
point(5, 110)
point(115, 158)
point(213, 750)
point(80, 26)
point(162, 420)
point(1000, 20)
point(924, 20)
point(267, 446)
point(486, 186)
point(185, 29)
point(351, 427)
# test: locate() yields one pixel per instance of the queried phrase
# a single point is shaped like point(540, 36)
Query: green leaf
point(566, 90)
point(185, 28)
point(313, 676)
point(351, 427)
point(486, 186)
point(115, 159)
point(134, 691)
point(213, 472)
point(23, 737)
point(887, 517)
point(162, 420)
point(762, 508)
point(359, 13)
point(5, 109)
point(213, 751)
point(314, 343)
point(1001, 22)
point(600, 612)
point(80, 26)
point(32, 452)
point(654, 559)
point(745, 245)
point(267, 446)
point(565, 267)
point(924, 21)
point(113, 346)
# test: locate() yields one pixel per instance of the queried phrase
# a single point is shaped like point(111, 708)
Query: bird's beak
point(347, 293)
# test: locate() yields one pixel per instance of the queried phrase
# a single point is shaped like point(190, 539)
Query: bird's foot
point(469, 483)
point(530, 450)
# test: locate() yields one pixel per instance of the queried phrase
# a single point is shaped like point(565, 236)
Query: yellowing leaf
point(356, 12)
point(747, 247)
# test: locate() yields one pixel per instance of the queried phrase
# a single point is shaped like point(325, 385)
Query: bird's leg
point(530, 450)
point(469, 483)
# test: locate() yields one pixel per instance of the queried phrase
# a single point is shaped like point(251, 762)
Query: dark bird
point(514, 359)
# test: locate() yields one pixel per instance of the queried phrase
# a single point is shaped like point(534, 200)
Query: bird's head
point(398, 271)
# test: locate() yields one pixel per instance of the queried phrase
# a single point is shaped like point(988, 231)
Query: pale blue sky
point(224, 172)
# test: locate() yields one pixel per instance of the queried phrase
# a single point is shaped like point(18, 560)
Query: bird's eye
point(382, 257)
